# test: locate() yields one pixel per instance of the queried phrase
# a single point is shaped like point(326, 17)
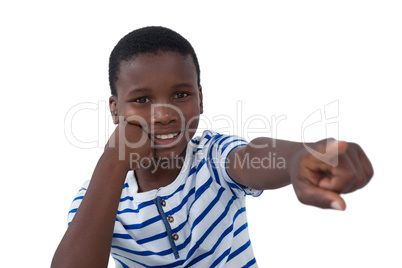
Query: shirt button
point(163, 203)
point(170, 219)
point(175, 236)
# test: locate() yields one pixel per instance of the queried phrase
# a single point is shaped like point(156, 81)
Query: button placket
point(170, 219)
point(161, 206)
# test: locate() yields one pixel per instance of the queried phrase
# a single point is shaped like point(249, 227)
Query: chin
point(170, 153)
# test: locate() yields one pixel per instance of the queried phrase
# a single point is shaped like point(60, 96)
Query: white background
point(287, 58)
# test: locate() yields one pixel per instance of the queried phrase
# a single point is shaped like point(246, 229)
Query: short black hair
point(149, 39)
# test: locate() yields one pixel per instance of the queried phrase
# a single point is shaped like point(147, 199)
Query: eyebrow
point(182, 85)
point(137, 90)
point(144, 89)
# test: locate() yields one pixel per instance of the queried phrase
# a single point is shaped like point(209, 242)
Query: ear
point(113, 109)
point(200, 97)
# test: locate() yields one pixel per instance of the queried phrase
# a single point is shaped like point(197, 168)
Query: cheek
point(135, 115)
point(192, 121)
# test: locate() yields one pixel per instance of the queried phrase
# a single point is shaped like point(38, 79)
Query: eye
point(142, 100)
point(180, 95)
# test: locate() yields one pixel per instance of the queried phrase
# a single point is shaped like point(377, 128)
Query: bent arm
point(263, 163)
point(88, 239)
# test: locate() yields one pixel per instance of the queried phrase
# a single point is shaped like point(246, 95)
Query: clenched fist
point(331, 168)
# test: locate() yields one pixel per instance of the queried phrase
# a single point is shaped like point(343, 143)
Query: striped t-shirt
point(199, 220)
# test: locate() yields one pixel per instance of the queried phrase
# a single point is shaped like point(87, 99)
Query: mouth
point(166, 140)
point(167, 136)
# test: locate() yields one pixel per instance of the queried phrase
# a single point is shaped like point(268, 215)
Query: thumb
point(334, 149)
point(328, 152)
point(312, 195)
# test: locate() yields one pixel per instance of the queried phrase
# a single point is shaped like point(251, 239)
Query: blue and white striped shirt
point(199, 220)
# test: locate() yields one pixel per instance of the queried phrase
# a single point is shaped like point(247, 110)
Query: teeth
point(167, 136)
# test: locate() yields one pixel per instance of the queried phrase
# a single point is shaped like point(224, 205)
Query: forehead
point(153, 70)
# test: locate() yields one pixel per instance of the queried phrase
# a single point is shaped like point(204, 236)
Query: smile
point(167, 136)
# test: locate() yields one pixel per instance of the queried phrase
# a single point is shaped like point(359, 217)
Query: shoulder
point(214, 142)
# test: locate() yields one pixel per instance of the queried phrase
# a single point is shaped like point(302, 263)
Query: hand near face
point(330, 169)
point(131, 143)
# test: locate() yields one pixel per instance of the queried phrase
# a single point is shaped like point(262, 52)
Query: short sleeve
point(220, 148)
point(76, 202)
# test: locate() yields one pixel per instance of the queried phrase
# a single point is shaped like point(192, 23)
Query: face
point(159, 92)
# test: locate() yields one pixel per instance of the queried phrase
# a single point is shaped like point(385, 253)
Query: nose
point(165, 114)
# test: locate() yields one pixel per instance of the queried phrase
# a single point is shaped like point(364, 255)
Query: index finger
point(135, 120)
point(313, 195)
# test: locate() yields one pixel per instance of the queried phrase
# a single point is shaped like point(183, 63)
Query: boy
point(159, 197)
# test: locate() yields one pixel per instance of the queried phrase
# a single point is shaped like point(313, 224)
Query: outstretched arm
point(319, 172)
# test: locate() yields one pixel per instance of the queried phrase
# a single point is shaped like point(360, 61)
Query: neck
point(160, 173)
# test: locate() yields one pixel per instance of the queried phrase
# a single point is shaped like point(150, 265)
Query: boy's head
point(148, 40)
point(155, 82)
